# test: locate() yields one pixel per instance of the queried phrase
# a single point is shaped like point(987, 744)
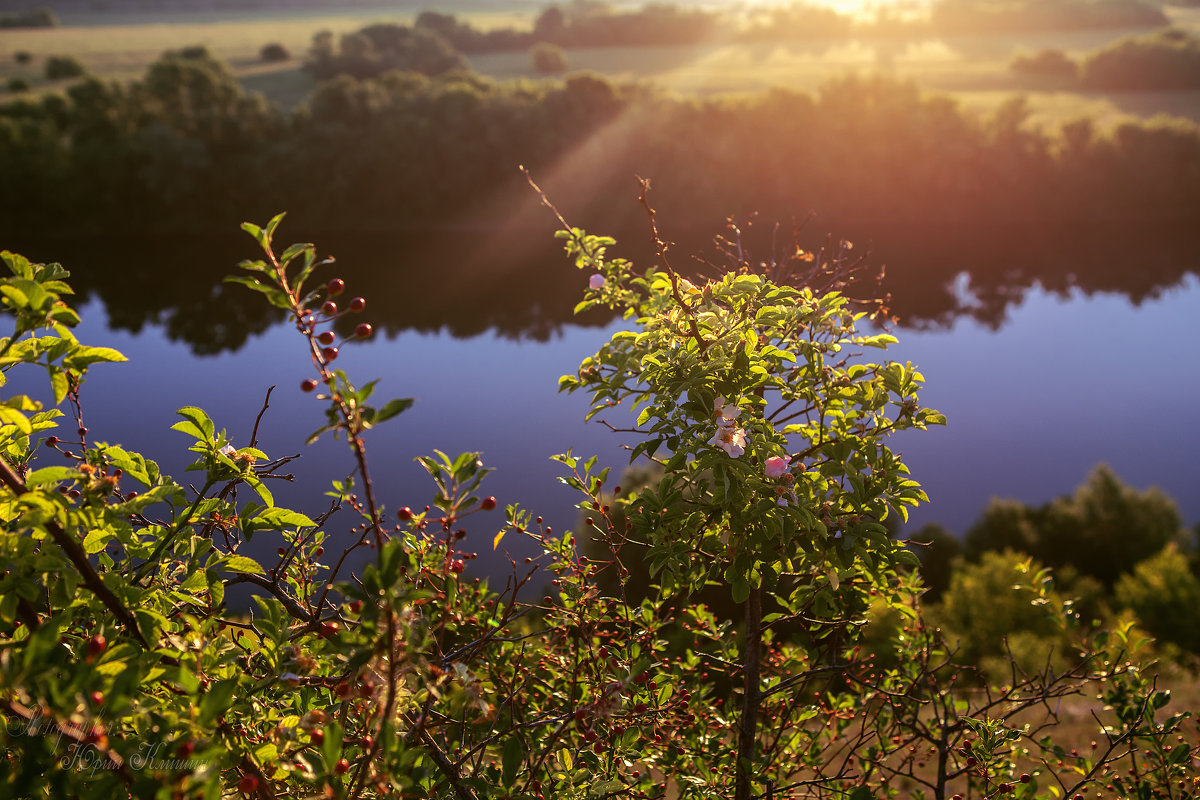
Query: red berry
point(355, 606)
point(366, 742)
point(317, 736)
point(358, 304)
point(1026, 778)
point(320, 551)
point(247, 784)
point(282, 551)
point(308, 385)
point(97, 698)
point(186, 748)
point(364, 330)
point(458, 566)
point(488, 503)
point(598, 748)
point(325, 337)
point(329, 628)
point(329, 354)
point(405, 513)
point(51, 441)
point(96, 645)
point(341, 766)
point(335, 287)
point(329, 309)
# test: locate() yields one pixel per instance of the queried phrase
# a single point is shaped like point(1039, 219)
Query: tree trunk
point(751, 655)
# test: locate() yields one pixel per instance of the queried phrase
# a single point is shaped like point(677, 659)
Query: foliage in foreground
point(123, 669)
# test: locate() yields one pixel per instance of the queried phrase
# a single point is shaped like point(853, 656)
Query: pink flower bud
point(776, 466)
point(596, 281)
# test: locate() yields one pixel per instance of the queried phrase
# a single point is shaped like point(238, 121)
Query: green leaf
point(513, 757)
point(14, 295)
point(95, 541)
point(741, 589)
point(59, 383)
point(280, 518)
point(258, 486)
point(82, 357)
point(216, 700)
point(10, 416)
point(243, 564)
point(391, 409)
point(274, 295)
point(266, 754)
point(48, 475)
point(200, 425)
point(188, 681)
point(331, 748)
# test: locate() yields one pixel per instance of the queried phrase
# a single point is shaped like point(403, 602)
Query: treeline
point(592, 23)
point(1015, 16)
point(1166, 60)
point(187, 148)
point(34, 18)
point(1114, 552)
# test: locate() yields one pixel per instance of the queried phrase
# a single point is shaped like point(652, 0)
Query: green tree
point(1005, 603)
point(63, 67)
point(1165, 594)
point(1102, 530)
point(548, 59)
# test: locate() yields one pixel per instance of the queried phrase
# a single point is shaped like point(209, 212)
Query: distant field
point(972, 69)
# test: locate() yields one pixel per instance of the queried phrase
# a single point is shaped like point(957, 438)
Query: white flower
point(726, 412)
point(776, 466)
point(730, 438)
point(596, 281)
point(229, 451)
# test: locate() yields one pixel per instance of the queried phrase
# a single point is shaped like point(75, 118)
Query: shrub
point(274, 52)
point(1102, 530)
point(1047, 64)
point(60, 67)
point(1042, 15)
point(194, 52)
point(18, 84)
point(378, 48)
point(1003, 594)
point(23, 57)
point(548, 59)
point(409, 679)
point(1165, 595)
point(1165, 60)
point(37, 18)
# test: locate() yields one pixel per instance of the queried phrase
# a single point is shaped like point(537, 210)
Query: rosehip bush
point(124, 671)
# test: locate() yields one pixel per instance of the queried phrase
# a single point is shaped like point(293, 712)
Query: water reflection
point(517, 284)
point(1029, 338)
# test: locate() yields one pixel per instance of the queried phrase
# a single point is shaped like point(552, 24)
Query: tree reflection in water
point(463, 283)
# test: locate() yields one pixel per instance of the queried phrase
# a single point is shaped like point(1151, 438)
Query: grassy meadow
point(974, 70)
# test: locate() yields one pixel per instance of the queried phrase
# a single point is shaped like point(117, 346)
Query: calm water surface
point(1036, 394)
